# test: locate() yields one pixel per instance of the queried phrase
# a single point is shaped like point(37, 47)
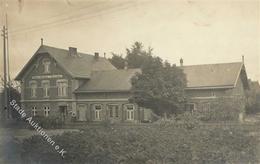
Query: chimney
point(96, 55)
point(243, 59)
point(126, 65)
point(72, 51)
point(181, 62)
point(41, 41)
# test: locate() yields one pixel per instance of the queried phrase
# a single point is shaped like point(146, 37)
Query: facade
point(77, 87)
point(207, 83)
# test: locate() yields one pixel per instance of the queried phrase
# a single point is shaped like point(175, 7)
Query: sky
point(199, 31)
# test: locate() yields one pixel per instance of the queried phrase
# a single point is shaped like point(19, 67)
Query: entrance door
point(63, 113)
point(82, 113)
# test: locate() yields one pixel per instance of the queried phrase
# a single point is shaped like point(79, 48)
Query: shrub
point(48, 122)
point(223, 109)
point(145, 144)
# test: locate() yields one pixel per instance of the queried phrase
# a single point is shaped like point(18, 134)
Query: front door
point(82, 109)
point(63, 113)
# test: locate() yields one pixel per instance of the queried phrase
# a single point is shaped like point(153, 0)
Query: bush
point(223, 109)
point(145, 144)
point(47, 122)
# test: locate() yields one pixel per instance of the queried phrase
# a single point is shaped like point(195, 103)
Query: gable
point(36, 69)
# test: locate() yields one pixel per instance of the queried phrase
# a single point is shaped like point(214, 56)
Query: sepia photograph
point(129, 82)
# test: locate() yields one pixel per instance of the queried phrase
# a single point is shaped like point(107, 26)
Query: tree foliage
point(160, 86)
point(14, 94)
point(118, 61)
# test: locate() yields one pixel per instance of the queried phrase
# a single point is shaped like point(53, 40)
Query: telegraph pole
point(5, 110)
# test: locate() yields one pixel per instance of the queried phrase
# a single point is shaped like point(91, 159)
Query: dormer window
point(46, 65)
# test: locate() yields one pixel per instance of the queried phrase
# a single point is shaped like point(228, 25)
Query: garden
point(180, 141)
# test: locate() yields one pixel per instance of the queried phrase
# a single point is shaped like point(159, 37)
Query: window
point(34, 111)
point(97, 110)
point(46, 65)
point(113, 110)
point(46, 87)
point(206, 107)
point(33, 87)
point(213, 94)
point(191, 107)
point(130, 112)
point(46, 111)
point(62, 87)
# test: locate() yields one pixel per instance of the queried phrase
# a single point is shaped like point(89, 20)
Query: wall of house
point(103, 95)
point(36, 73)
point(37, 69)
point(202, 98)
point(89, 111)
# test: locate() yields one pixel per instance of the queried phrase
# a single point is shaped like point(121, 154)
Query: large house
point(208, 82)
point(82, 87)
point(76, 86)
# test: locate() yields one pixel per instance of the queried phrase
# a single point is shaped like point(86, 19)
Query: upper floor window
point(46, 88)
point(213, 94)
point(46, 111)
point(130, 112)
point(97, 110)
point(62, 87)
point(34, 110)
point(46, 65)
point(33, 87)
point(113, 110)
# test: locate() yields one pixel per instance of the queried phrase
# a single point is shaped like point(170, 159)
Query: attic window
point(46, 65)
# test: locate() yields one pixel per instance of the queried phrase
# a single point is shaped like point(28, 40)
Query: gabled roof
point(79, 66)
point(207, 76)
point(109, 81)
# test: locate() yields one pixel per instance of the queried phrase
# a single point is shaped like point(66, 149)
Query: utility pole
point(5, 110)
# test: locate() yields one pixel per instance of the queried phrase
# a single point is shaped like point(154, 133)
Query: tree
point(160, 86)
point(13, 94)
point(118, 61)
point(253, 98)
point(136, 55)
point(134, 58)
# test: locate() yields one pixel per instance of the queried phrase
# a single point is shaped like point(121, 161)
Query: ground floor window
point(97, 111)
point(34, 110)
point(191, 107)
point(130, 112)
point(206, 107)
point(46, 111)
point(113, 110)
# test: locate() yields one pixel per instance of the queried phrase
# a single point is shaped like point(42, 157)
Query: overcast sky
point(201, 32)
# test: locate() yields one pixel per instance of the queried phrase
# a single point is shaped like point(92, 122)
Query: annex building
point(207, 83)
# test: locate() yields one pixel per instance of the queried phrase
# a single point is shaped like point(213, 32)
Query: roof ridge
point(117, 70)
point(63, 49)
point(211, 64)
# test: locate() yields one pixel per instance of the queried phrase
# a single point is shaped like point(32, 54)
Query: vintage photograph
point(129, 82)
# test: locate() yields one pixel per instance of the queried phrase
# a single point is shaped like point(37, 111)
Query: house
point(208, 82)
point(77, 87)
